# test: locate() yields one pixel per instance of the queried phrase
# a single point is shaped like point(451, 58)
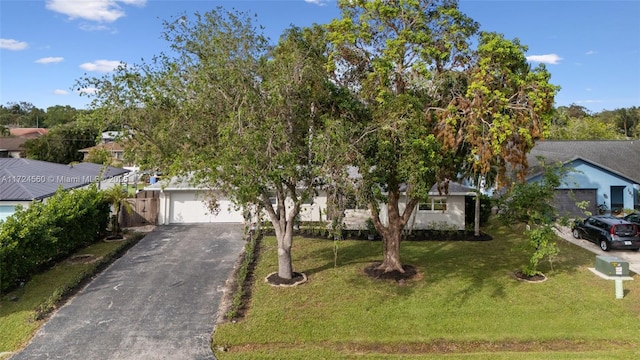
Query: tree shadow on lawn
point(477, 264)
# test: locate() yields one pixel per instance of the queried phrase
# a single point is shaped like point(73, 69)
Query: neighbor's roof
point(28, 132)
point(12, 143)
point(111, 146)
point(26, 180)
point(618, 156)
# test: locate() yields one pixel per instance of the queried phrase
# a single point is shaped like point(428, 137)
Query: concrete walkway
point(633, 257)
point(158, 301)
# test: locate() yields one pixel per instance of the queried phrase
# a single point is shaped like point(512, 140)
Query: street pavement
point(633, 257)
point(160, 300)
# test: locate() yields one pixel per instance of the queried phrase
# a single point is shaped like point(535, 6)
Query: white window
point(434, 204)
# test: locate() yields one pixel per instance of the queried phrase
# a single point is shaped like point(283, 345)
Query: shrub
point(47, 231)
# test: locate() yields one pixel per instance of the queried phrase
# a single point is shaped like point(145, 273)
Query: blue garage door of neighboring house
point(6, 211)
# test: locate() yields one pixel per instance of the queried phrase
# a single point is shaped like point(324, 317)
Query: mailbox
point(612, 266)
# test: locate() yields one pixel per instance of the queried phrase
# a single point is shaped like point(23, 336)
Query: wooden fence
point(145, 207)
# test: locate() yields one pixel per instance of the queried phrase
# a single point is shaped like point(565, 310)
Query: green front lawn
point(466, 304)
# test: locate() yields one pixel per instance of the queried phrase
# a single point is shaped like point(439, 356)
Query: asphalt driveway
point(158, 301)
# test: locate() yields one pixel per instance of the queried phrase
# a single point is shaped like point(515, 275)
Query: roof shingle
point(26, 180)
point(619, 156)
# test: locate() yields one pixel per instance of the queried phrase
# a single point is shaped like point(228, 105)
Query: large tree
point(497, 117)
point(61, 143)
point(230, 112)
point(399, 58)
point(440, 108)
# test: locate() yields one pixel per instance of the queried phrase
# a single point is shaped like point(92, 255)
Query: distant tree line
point(573, 122)
point(577, 123)
point(67, 132)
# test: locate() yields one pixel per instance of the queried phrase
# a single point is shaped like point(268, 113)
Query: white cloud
point(88, 90)
point(591, 52)
point(101, 65)
point(11, 44)
point(317, 2)
point(60, 92)
point(49, 60)
point(546, 59)
point(92, 27)
point(93, 10)
point(591, 101)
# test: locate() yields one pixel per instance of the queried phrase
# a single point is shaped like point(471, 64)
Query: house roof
point(26, 180)
point(454, 189)
point(111, 146)
point(28, 132)
point(621, 157)
point(12, 143)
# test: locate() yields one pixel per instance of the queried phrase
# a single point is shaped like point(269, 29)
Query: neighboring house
point(115, 150)
point(605, 173)
point(181, 203)
point(11, 147)
point(28, 133)
point(23, 181)
point(109, 136)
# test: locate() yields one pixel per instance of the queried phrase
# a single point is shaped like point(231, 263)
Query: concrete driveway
point(158, 301)
point(633, 257)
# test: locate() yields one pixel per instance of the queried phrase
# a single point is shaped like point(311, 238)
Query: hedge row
point(48, 231)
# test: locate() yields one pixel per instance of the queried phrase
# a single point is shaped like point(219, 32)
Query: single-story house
point(181, 203)
point(604, 173)
point(115, 150)
point(23, 180)
point(12, 147)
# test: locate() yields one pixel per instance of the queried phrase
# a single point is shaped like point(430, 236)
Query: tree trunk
point(285, 269)
point(476, 217)
point(391, 252)
point(392, 233)
point(283, 226)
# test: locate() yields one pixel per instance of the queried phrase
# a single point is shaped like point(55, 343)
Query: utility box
point(612, 266)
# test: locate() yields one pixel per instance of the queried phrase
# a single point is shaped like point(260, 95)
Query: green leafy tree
point(59, 115)
point(495, 121)
point(4, 131)
point(586, 128)
point(532, 204)
point(62, 143)
point(439, 108)
point(229, 112)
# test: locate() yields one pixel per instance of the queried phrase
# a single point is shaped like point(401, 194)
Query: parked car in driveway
point(608, 232)
point(634, 218)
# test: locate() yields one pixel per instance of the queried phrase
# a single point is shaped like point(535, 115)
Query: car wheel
point(603, 245)
point(576, 233)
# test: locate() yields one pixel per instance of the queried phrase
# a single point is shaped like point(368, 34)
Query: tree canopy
point(230, 112)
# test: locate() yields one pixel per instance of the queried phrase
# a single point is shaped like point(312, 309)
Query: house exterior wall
point(316, 211)
point(355, 219)
point(589, 176)
point(7, 208)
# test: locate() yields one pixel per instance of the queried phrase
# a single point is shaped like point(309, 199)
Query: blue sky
point(591, 48)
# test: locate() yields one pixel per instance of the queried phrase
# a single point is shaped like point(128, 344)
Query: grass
point(21, 318)
point(465, 305)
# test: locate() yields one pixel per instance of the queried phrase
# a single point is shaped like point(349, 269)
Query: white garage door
point(186, 208)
